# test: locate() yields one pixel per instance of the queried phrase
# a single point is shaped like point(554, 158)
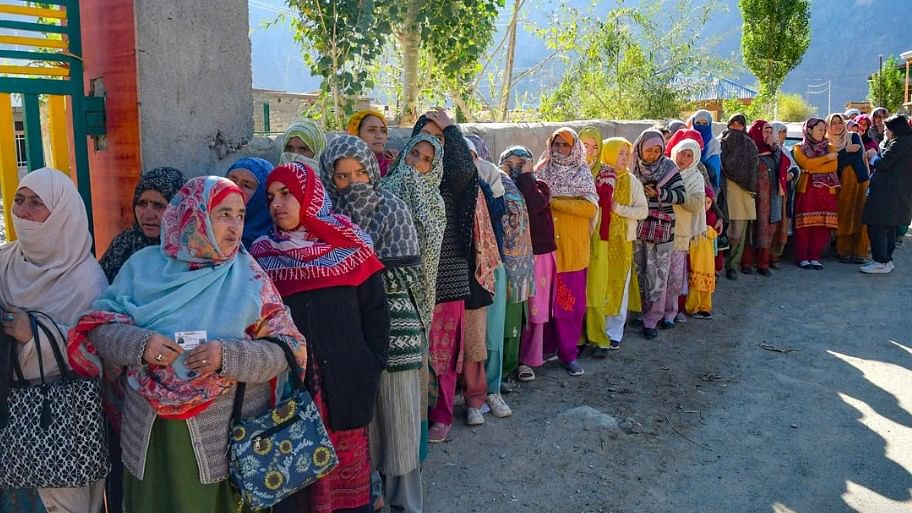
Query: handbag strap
point(55, 348)
point(8, 362)
point(295, 381)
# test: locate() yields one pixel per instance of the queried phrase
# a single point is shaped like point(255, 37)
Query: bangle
point(142, 351)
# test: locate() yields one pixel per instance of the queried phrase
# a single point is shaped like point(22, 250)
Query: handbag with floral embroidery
point(281, 451)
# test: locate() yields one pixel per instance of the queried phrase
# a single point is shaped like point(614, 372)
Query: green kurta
point(171, 482)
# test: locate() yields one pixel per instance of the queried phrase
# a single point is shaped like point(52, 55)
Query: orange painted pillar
point(109, 51)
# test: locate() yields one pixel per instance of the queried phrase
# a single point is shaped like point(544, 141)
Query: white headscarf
point(690, 219)
point(51, 267)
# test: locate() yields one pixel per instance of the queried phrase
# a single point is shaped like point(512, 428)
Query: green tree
point(339, 38)
point(886, 88)
point(775, 35)
point(792, 107)
point(634, 63)
point(452, 35)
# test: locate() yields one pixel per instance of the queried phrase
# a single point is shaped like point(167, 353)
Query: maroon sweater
point(541, 222)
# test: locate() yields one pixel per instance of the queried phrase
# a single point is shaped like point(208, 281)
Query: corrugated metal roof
point(723, 89)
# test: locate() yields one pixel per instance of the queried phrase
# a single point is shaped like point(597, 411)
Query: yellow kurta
point(612, 260)
point(573, 220)
point(851, 236)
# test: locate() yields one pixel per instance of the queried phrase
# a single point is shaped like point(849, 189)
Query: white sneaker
point(875, 268)
point(498, 406)
point(890, 266)
point(474, 417)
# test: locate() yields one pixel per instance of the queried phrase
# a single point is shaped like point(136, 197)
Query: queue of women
point(397, 280)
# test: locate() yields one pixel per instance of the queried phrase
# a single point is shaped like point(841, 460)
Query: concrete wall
point(498, 137)
point(194, 82)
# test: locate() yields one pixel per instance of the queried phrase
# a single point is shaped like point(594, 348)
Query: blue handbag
point(281, 451)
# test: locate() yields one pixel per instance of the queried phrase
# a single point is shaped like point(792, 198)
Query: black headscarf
point(459, 189)
point(165, 180)
point(738, 118)
point(899, 125)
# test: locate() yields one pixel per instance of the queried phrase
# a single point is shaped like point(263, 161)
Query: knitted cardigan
point(347, 331)
point(254, 362)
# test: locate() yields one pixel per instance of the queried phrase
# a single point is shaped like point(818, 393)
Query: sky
point(847, 38)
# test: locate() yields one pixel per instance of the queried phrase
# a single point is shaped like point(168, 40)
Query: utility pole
point(880, 98)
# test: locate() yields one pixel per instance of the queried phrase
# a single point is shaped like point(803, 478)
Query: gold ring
point(158, 358)
point(204, 362)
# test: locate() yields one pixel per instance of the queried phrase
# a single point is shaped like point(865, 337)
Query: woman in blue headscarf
point(249, 173)
point(711, 153)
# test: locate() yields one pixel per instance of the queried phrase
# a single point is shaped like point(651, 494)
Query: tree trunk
point(409, 39)
point(507, 82)
point(463, 106)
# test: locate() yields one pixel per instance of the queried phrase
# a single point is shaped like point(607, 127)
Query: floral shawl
point(183, 285)
point(569, 176)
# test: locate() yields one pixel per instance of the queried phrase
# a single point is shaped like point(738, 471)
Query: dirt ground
point(709, 419)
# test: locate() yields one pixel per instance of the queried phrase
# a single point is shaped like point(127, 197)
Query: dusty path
point(715, 422)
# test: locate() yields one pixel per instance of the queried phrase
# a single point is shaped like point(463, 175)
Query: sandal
point(526, 373)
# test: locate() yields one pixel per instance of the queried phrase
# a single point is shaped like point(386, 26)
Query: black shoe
point(747, 270)
point(846, 260)
point(731, 274)
point(667, 325)
point(650, 333)
point(763, 272)
point(615, 344)
point(703, 315)
point(600, 353)
point(636, 323)
point(859, 260)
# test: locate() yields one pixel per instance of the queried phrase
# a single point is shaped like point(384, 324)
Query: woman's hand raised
point(161, 351)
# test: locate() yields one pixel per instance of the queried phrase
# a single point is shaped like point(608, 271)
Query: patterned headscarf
point(325, 250)
point(421, 194)
point(517, 252)
point(166, 181)
point(568, 176)
point(481, 148)
point(591, 132)
point(380, 213)
point(312, 135)
point(354, 124)
point(185, 284)
point(518, 151)
point(809, 146)
point(257, 222)
point(460, 203)
point(655, 171)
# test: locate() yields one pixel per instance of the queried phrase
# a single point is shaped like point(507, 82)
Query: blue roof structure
point(722, 89)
